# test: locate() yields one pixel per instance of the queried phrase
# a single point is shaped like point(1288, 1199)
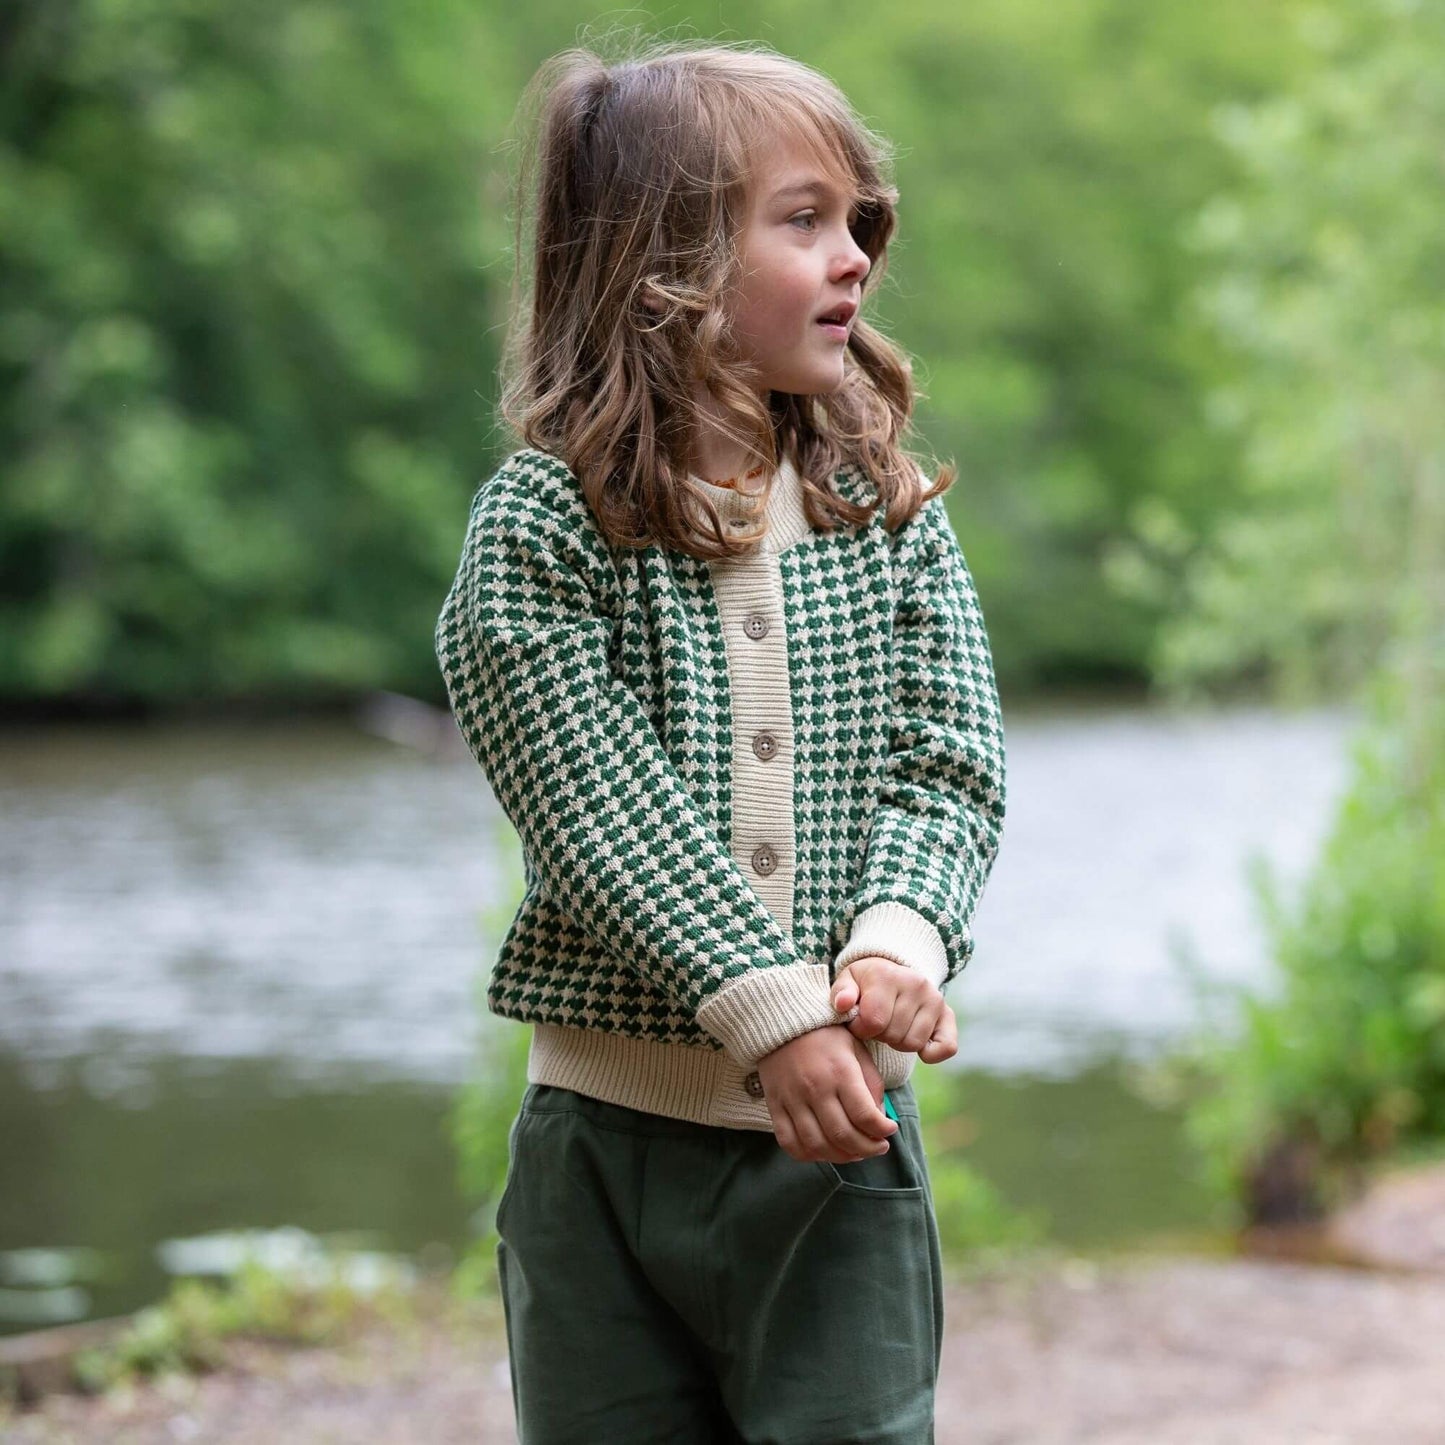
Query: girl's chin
point(819, 383)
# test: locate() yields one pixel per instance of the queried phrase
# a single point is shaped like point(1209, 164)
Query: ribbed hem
point(678, 1081)
point(893, 930)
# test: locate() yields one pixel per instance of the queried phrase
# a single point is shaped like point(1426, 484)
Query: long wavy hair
point(632, 188)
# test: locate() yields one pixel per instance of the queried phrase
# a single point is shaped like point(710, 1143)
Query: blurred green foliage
point(254, 272)
point(187, 1332)
point(1342, 1061)
point(243, 317)
point(1332, 565)
point(1321, 275)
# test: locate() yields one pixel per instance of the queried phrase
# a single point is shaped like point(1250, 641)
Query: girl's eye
point(810, 216)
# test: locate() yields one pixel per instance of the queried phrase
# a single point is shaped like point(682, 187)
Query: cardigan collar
point(786, 518)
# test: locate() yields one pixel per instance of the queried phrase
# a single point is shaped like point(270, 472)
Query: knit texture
point(729, 778)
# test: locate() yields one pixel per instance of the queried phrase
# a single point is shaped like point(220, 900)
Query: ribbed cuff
point(893, 930)
point(763, 1009)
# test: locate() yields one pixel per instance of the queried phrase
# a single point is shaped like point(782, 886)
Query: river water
point(239, 967)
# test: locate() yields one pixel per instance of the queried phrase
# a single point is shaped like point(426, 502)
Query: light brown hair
point(633, 186)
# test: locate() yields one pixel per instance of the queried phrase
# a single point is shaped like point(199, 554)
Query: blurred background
point(1173, 279)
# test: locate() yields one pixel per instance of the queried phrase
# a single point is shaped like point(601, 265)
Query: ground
point(1141, 1350)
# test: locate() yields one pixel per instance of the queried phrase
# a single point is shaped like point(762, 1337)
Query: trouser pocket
point(834, 1302)
point(900, 1171)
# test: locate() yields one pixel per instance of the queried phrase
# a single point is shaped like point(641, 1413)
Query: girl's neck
point(715, 457)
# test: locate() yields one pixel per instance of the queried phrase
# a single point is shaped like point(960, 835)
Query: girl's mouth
point(835, 322)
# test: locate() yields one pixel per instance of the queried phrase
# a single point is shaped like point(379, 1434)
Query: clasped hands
point(823, 1090)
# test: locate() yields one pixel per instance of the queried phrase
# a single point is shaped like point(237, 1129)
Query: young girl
point(715, 646)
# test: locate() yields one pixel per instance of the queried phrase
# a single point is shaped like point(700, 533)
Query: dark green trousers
point(665, 1281)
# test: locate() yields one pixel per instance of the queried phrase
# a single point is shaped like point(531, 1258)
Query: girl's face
point(800, 265)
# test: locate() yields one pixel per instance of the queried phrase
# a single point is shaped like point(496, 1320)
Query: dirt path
point(1153, 1352)
point(1141, 1351)
point(1197, 1352)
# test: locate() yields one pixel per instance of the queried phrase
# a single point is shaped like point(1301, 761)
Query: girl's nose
point(852, 260)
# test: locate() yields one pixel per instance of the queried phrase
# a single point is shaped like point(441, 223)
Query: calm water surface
point(239, 969)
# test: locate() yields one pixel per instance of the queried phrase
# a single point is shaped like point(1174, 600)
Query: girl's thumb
point(845, 992)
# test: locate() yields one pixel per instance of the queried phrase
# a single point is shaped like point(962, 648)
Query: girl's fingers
point(912, 1020)
point(876, 1014)
point(866, 1114)
point(917, 1019)
point(944, 1043)
point(784, 1129)
point(922, 1028)
point(814, 1143)
point(844, 1137)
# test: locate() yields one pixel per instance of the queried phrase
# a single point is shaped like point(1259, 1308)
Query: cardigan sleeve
point(605, 819)
point(939, 817)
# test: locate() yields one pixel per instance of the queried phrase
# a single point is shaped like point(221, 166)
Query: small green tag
point(888, 1107)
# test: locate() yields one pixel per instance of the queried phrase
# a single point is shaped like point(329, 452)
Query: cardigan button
point(755, 625)
point(765, 745)
point(754, 1085)
point(764, 859)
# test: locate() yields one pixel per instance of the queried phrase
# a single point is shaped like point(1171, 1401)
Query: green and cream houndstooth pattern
point(728, 777)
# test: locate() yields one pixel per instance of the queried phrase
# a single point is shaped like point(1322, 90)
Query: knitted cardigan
point(729, 777)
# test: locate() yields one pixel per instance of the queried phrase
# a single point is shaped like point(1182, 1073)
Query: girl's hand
point(898, 1005)
point(825, 1096)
